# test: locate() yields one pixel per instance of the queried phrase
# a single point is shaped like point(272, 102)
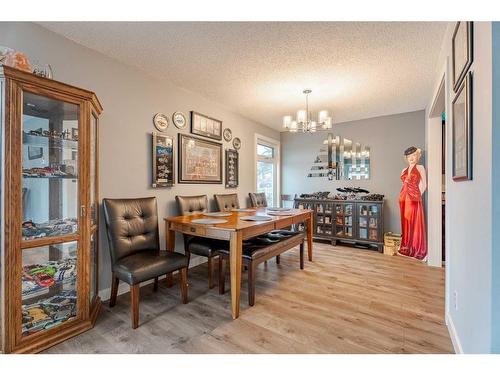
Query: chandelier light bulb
point(301, 116)
point(287, 121)
point(322, 116)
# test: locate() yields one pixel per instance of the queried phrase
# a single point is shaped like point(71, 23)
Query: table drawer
point(189, 229)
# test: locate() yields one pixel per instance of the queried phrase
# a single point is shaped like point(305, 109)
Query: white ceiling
point(259, 69)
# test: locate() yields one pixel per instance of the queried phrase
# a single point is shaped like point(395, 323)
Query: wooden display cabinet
point(352, 221)
point(49, 228)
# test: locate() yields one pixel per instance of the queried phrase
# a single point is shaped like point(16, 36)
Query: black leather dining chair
point(134, 246)
point(226, 202)
point(258, 199)
point(205, 247)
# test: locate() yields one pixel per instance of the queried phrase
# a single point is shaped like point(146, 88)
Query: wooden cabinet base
point(56, 338)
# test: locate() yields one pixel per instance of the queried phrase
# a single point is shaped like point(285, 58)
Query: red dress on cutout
point(413, 241)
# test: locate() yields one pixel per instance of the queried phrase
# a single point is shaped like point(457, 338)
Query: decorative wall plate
point(228, 134)
point(179, 120)
point(237, 143)
point(161, 122)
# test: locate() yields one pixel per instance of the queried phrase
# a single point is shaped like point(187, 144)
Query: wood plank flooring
point(347, 301)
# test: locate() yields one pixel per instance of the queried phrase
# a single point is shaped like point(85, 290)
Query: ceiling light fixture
point(304, 122)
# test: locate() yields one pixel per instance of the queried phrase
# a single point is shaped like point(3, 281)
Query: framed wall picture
point(163, 160)
point(462, 51)
point(462, 132)
point(200, 161)
point(232, 169)
point(206, 126)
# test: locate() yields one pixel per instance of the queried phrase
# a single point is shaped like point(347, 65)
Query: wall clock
point(228, 134)
point(237, 143)
point(161, 122)
point(179, 120)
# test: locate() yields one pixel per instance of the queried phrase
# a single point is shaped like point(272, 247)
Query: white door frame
point(434, 177)
point(276, 144)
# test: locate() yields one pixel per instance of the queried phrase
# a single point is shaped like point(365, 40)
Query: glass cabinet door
point(50, 212)
point(50, 202)
point(323, 215)
point(344, 220)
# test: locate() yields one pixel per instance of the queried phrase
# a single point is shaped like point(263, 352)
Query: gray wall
point(130, 99)
point(469, 224)
point(387, 136)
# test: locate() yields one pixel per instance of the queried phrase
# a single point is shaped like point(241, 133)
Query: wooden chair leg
point(251, 283)
point(134, 302)
point(114, 290)
point(184, 285)
point(277, 259)
point(222, 274)
point(155, 285)
point(301, 250)
point(188, 255)
point(210, 273)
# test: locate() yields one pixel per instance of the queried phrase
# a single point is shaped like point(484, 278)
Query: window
point(267, 157)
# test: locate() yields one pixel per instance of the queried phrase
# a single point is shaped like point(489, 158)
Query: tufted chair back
point(131, 226)
point(226, 202)
point(194, 204)
point(258, 199)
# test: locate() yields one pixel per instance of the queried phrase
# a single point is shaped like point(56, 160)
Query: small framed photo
point(163, 160)
point(206, 126)
point(35, 152)
point(462, 51)
point(232, 169)
point(462, 132)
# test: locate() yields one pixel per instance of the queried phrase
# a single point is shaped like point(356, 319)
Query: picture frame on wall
point(163, 160)
point(462, 131)
point(462, 51)
point(232, 168)
point(206, 126)
point(200, 161)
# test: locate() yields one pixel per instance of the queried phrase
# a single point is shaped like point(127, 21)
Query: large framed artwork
point(232, 169)
point(200, 161)
point(462, 51)
point(163, 160)
point(462, 132)
point(206, 126)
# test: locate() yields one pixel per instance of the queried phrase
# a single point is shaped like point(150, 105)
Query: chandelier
point(304, 122)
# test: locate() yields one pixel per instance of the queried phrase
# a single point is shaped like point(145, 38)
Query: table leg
point(310, 237)
point(235, 250)
point(170, 243)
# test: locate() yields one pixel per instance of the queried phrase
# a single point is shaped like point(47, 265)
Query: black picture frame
point(462, 145)
point(232, 169)
point(462, 51)
point(209, 162)
point(206, 126)
point(35, 152)
point(163, 160)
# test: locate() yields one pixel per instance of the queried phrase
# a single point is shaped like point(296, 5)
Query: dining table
point(236, 228)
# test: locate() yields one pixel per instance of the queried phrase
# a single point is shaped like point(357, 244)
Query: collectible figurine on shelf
point(413, 241)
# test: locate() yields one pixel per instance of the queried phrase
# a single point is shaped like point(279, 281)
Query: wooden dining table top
point(234, 221)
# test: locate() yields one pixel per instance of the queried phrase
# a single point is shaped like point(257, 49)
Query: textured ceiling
point(259, 69)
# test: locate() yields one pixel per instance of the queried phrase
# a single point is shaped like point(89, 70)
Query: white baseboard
point(125, 288)
point(453, 334)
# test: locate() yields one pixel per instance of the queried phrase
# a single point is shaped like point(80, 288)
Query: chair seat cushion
point(146, 265)
point(205, 246)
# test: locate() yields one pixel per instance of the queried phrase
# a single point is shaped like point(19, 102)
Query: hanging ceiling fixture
point(304, 122)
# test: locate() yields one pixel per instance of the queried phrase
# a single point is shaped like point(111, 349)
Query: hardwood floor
point(347, 301)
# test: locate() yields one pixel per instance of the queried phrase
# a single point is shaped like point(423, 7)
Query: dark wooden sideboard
point(350, 221)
